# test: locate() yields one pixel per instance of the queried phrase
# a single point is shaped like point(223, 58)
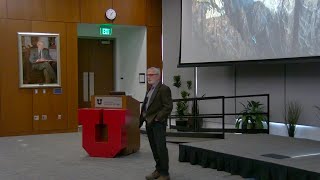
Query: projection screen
point(220, 31)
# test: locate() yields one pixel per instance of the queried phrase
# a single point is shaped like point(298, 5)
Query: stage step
point(179, 140)
point(175, 133)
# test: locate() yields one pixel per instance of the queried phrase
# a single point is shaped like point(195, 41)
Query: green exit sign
point(105, 31)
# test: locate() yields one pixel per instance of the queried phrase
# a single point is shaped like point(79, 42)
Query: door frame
point(114, 58)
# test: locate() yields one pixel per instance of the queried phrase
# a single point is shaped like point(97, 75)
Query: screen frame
point(303, 59)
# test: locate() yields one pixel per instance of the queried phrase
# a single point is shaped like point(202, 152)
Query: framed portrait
point(39, 60)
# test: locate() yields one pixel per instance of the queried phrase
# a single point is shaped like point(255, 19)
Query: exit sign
point(105, 31)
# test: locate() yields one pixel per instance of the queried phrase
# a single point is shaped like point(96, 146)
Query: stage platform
point(259, 156)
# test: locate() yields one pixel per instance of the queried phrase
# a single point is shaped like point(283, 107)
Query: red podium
point(111, 127)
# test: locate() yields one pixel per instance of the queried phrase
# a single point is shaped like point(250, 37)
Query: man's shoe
point(164, 178)
point(154, 175)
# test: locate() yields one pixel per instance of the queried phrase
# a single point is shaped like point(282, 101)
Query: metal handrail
point(223, 113)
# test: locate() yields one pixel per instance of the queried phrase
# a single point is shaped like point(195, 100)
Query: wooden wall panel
point(3, 9)
point(17, 106)
point(130, 12)
point(154, 53)
point(16, 102)
point(3, 24)
point(62, 10)
point(154, 13)
point(72, 76)
point(50, 104)
point(40, 107)
point(94, 11)
point(26, 9)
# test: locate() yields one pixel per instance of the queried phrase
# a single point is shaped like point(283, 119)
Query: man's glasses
point(150, 75)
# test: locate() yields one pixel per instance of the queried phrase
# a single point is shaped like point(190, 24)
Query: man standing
point(156, 108)
point(40, 59)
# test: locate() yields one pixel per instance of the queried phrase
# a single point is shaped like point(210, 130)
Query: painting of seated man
point(39, 60)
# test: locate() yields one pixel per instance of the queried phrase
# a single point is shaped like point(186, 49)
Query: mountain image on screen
point(233, 30)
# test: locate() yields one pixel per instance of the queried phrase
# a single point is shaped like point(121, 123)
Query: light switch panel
point(36, 117)
point(44, 117)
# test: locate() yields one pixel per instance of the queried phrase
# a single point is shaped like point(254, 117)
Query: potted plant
point(251, 116)
point(292, 116)
point(182, 107)
point(195, 121)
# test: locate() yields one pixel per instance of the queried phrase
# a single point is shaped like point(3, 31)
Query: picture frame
point(39, 60)
point(142, 77)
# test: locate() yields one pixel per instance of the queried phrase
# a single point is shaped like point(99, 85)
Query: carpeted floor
point(61, 157)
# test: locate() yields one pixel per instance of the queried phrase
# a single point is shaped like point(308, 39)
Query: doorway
point(95, 69)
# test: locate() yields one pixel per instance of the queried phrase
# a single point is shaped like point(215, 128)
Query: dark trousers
point(48, 72)
point(156, 132)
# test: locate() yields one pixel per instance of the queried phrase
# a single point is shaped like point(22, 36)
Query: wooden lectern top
point(111, 101)
point(116, 102)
